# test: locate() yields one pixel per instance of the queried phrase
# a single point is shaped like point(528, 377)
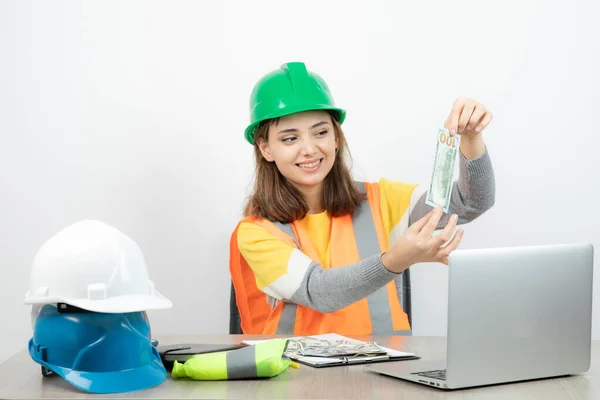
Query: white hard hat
point(93, 266)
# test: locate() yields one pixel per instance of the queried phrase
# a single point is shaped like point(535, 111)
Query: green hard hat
point(288, 90)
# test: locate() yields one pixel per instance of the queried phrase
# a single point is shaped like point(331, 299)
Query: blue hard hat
point(97, 352)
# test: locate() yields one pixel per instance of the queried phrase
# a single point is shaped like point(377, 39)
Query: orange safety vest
point(353, 238)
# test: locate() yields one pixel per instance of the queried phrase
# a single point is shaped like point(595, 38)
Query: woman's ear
point(264, 149)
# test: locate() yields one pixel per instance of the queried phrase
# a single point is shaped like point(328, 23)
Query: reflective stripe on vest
point(241, 363)
point(288, 314)
point(366, 241)
point(367, 244)
point(287, 229)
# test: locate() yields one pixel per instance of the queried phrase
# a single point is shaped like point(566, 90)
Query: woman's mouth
point(310, 166)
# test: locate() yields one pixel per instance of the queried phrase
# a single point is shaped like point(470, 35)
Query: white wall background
point(133, 112)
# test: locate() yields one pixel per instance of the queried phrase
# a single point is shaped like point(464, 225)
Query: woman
point(318, 252)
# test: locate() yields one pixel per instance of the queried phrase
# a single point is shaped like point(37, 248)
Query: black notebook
point(181, 352)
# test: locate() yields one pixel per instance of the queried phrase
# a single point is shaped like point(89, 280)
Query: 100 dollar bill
point(440, 187)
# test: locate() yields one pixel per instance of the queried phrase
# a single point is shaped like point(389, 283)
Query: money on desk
point(440, 187)
point(307, 346)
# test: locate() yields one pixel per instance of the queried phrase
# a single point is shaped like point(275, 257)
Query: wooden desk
point(20, 378)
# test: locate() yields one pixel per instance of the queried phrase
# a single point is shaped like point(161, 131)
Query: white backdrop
point(133, 113)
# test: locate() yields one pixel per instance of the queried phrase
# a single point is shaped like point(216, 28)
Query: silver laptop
point(514, 314)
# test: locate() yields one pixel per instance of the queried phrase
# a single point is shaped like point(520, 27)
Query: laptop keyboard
point(436, 374)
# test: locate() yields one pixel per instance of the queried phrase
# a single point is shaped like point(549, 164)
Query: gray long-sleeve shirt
point(328, 290)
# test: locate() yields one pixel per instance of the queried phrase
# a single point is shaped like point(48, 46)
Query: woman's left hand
point(467, 118)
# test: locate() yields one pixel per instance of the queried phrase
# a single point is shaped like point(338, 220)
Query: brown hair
point(275, 199)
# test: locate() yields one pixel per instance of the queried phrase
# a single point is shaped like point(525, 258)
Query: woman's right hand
point(418, 245)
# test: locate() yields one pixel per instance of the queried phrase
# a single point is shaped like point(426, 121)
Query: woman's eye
point(323, 133)
point(288, 139)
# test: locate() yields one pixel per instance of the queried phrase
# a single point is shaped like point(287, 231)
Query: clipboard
point(346, 361)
